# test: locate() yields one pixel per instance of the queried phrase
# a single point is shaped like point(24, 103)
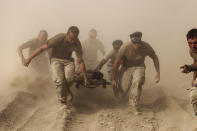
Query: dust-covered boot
point(136, 111)
point(64, 115)
point(134, 105)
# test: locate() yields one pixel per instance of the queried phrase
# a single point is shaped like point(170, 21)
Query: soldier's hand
point(26, 62)
point(86, 82)
point(185, 69)
point(157, 78)
point(114, 83)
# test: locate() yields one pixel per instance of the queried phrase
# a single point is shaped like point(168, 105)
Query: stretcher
point(95, 79)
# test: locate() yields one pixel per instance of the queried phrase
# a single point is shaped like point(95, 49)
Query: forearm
point(193, 67)
point(82, 68)
point(38, 51)
point(100, 65)
point(195, 75)
point(156, 64)
point(20, 52)
point(115, 66)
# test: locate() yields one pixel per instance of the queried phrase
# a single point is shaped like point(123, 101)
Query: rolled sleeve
point(121, 52)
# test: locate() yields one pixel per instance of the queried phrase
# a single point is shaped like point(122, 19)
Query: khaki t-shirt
point(193, 55)
point(91, 48)
point(61, 49)
point(40, 62)
point(131, 57)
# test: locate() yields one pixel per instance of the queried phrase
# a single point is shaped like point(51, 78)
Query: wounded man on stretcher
point(95, 78)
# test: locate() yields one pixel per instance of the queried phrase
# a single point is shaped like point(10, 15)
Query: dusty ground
point(34, 109)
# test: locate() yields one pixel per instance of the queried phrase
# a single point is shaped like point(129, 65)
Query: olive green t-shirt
point(132, 57)
point(61, 49)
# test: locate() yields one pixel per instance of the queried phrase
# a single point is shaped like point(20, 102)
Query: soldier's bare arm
point(115, 67)
point(20, 53)
point(21, 47)
point(157, 67)
point(189, 68)
point(101, 63)
point(35, 53)
point(82, 69)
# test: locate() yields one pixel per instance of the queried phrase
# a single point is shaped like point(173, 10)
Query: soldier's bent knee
point(59, 81)
point(138, 81)
point(69, 79)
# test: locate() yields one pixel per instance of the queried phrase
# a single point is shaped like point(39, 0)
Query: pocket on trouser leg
point(193, 99)
point(135, 94)
point(61, 94)
point(69, 95)
point(194, 105)
point(133, 101)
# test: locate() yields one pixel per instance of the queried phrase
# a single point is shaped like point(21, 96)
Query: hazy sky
point(164, 24)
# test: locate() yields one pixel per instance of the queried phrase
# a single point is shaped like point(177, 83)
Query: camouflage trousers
point(131, 82)
point(193, 98)
point(63, 76)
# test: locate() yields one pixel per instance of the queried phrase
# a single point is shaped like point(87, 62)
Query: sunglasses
point(195, 42)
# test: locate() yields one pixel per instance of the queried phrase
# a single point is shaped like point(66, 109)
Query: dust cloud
point(164, 25)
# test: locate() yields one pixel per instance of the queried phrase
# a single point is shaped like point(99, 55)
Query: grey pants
point(63, 75)
point(131, 82)
point(193, 98)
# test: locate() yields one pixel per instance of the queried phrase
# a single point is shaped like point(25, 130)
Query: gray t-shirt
point(111, 56)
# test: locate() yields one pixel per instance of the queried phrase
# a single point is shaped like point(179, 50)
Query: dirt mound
point(96, 110)
point(16, 111)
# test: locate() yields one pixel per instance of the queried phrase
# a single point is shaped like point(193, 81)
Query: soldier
point(91, 46)
point(62, 66)
point(192, 43)
point(132, 74)
point(40, 63)
point(111, 56)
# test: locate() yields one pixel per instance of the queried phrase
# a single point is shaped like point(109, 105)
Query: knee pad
point(138, 81)
point(59, 81)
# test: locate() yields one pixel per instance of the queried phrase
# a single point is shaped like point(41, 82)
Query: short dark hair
point(73, 29)
point(136, 34)
point(192, 34)
point(117, 42)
